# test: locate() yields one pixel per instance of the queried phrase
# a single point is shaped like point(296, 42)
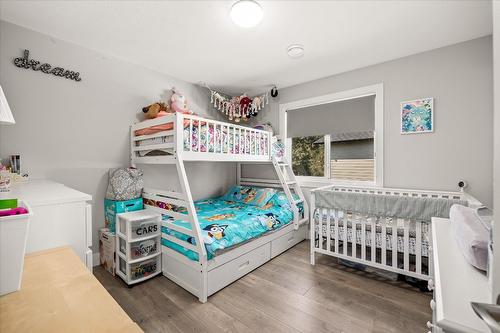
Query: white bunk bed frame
point(368, 255)
point(205, 277)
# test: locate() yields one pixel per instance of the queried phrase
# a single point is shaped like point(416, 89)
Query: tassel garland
point(238, 107)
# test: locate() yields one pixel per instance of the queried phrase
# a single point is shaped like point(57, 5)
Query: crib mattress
point(348, 220)
point(225, 224)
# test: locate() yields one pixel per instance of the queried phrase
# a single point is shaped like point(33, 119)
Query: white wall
point(459, 77)
point(495, 275)
point(73, 132)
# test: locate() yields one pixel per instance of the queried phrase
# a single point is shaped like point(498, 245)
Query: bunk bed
point(204, 266)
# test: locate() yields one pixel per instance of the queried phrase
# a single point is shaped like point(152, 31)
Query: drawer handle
point(290, 239)
point(243, 265)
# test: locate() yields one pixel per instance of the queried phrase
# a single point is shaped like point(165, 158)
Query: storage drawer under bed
point(280, 245)
point(229, 272)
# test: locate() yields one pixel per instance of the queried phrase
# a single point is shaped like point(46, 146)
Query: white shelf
point(457, 283)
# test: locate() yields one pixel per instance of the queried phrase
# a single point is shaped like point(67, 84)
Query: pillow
point(471, 235)
point(280, 200)
point(249, 195)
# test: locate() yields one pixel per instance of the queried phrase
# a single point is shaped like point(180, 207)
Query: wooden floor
point(286, 294)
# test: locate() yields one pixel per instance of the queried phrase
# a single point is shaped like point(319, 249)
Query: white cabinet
point(456, 283)
point(61, 216)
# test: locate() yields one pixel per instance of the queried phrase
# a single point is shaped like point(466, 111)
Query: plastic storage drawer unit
point(138, 245)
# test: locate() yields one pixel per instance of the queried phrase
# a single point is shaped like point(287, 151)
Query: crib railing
point(399, 245)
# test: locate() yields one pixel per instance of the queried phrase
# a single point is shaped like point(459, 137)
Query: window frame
point(376, 90)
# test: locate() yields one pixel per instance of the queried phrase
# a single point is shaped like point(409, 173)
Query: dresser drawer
point(288, 240)
point(223, 275)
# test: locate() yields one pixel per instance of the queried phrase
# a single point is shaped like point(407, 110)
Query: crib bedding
point(199, 137)
point(425, 232)
point(226, 224)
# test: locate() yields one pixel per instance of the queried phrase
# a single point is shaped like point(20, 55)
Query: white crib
point(398, 245)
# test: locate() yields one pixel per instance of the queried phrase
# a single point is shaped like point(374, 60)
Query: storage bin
point(107, 248)
point(139, 225)
point(139, 271)
point(140, 249)
point(114, 207)
point(13, 235)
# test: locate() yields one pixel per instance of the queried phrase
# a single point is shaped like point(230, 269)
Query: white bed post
point(311, 227)
point(186, 190)
point(238, 173)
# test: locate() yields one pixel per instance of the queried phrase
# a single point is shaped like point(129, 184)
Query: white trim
point(306, 181)
point(376, 89)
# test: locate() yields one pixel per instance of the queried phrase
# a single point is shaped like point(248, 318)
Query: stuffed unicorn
point(178, 102)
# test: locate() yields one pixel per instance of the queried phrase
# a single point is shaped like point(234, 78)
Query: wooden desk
point(58, 294)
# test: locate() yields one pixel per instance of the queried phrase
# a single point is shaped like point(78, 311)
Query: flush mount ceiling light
point(246, 13)
point(295, 51)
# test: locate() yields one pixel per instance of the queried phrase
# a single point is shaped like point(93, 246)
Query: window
point(308, 156)
point(336, 140)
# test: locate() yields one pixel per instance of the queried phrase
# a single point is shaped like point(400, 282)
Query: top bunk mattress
point(204, 137)
point(226, 224)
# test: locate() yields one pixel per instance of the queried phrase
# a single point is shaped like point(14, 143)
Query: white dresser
point(62, 216)
point(456, 284)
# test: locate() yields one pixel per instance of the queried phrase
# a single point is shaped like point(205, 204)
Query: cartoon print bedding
point(225, 224)
point(206, 141)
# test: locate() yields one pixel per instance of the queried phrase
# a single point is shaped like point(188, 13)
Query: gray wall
point(73, 132)
point(459, 77)
point(354, 115)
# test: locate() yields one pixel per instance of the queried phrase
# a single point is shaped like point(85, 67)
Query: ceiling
point(196, 40)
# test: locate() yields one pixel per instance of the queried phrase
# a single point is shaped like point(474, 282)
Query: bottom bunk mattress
point(349, 218)
point(225, 223)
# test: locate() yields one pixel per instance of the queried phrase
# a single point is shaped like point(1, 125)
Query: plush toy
point(178, 103)
point(156, 110)
point(245, 104)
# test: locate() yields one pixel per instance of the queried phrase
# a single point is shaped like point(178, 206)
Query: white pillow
point(471, 235)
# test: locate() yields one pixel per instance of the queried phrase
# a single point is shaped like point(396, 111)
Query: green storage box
point(113, 207)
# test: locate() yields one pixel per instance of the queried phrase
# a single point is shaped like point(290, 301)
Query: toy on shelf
point(178, 102)
point(155, 110)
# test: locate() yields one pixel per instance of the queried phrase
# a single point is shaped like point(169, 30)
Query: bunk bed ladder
point(289, 182)
point(195, 226)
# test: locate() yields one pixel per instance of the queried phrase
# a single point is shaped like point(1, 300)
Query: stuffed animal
point(178, 103)
point(156, 110)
